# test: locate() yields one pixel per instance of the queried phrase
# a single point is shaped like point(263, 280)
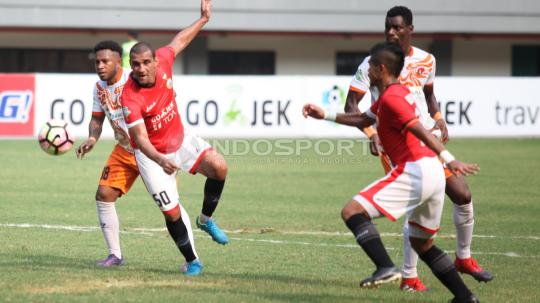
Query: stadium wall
point(270, 107)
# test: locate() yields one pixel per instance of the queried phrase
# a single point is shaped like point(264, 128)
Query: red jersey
point(155, 106)
point(396, 111)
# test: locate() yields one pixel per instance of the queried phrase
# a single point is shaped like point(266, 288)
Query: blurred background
point(280, 37)
point(255, 63)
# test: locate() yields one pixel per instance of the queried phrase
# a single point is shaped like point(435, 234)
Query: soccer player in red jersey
point(162, 146)
point(415, 185)
point(418, 75)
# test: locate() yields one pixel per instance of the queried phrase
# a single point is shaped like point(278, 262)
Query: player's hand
point(85, 147)
point(441, 126)
point(375, 145)
point(206, 6)
point(168, 166)
point(313, 111)
point(466, 169)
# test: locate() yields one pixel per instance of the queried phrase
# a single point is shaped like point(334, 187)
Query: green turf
point(266, 198)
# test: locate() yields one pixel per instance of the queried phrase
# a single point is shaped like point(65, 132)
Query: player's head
point(386, 62)
point(142, 59)
point(133, 35)
point(398, 26)
point(108, 60)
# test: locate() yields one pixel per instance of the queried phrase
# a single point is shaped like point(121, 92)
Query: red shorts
point(120, 171)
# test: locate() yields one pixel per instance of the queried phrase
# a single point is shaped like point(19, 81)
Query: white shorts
point(160, 185)
point(415, 188)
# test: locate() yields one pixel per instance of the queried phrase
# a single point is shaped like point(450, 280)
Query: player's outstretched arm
point(140, 136)
point(184, 37)
point(454, 165)
point(94, 132)
point(352, 119)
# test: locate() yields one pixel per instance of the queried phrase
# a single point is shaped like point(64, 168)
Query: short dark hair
point(402, 11)
point(133, 33)
point(110, 45)
point(141, 47)
point(390, 54)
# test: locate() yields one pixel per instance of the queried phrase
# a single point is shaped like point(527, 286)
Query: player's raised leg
point(458, 191)
point(214, 167)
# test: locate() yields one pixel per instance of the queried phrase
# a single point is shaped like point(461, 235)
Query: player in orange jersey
point(418, 75)
point(120, 170)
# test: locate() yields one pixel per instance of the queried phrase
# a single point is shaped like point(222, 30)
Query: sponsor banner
point(489, 107)
point(270, 106)
point(16, 105)
point(70, 98)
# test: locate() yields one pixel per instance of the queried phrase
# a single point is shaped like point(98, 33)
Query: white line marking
point(152, 231)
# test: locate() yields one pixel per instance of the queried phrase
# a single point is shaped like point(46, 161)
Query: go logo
point(74, 111)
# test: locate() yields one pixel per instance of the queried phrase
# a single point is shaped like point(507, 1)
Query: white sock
point(203, 218)
point(464, 222)
point(187, 222)
point(410, 257)
point(108, 220)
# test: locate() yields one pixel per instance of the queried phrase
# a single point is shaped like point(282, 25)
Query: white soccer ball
point(55, 138)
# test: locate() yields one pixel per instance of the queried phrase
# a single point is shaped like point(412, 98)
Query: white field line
point(152, 231)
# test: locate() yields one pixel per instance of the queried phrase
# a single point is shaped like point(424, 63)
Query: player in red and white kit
point(414, 186)
point(162, 146)
point(418, 75)
point(121, 170)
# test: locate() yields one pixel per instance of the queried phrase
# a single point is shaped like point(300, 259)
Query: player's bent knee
point(107, 194)
point(420, 245)
point(352, 208)
point(458, 190)
point(172, 215)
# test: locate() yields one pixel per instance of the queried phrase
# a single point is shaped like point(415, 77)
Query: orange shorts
point(120, 171)
point(387, 166)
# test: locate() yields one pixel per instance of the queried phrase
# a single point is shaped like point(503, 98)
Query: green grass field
point(288, 243)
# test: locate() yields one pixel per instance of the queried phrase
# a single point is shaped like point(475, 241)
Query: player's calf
point(443, 268)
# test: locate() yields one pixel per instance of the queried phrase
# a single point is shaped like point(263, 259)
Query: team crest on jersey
point(126, 111)
point(169, 83)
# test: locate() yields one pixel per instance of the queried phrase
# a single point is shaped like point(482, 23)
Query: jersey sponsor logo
point(15, 106)
point(149, 107)
point(166, 116)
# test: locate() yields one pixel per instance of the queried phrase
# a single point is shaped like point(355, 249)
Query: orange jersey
point(418, 71)
point(106, 102)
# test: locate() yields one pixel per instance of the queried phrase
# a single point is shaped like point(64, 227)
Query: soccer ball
point(55, 138)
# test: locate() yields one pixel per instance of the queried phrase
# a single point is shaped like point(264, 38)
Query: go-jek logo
point(15, 106)
point(234, 112)
point(334, 99)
